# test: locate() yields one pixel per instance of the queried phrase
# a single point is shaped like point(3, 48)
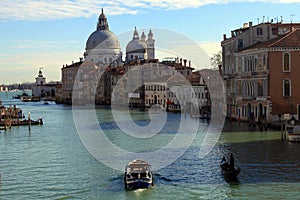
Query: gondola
point(230, 174)
point(228, 171)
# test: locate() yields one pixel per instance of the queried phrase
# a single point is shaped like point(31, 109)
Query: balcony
point(247, 74)
point(249, 97)
point(227, 76)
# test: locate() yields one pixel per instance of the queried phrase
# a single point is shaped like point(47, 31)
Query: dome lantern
point(102, 22)
point(135, 34)
point(143, 37)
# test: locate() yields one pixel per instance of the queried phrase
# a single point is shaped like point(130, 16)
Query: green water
point(50, 162)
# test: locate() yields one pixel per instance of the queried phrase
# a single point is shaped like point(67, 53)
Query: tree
point(216, 60)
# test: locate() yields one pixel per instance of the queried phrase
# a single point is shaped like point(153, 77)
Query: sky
point(48, 34)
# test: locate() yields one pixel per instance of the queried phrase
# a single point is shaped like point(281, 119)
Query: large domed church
point(103, 46)
point(103, 54)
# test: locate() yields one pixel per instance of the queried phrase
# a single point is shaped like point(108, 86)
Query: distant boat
point(25, 98)
point(22, 122)
point(35, 98)
point(293, 133)
point(30, 98)
point(138, 175)
point(19, 96)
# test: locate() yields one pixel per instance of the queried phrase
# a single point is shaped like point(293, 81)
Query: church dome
point(102, 39)
point(136, 45)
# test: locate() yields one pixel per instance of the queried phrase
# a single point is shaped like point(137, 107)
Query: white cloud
point(211, 47)
point(24, 66)
point(60, 9)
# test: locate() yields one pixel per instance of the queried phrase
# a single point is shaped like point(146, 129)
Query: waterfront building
point(43, 89)
point(179, 93)
point(102, 65)
point(156, 92)
point(175, 93)
point(140, 73)
point(259, 71)
point(102, 76)
point(68, 77)
point(200, 104)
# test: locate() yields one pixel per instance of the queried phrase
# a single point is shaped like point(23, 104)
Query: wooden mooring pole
point(281, 128)
point(29, 122)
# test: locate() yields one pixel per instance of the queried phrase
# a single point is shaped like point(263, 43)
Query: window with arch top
point(286, 62)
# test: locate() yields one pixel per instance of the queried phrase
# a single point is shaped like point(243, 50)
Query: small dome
point(102, 39)
point(136, 45)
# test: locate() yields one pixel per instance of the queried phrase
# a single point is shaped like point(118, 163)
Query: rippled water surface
point(50, 162)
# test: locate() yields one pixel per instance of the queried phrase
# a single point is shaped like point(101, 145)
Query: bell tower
point(150, 46)
point(40, 80)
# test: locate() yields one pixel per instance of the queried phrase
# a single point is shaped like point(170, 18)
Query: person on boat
point(224, 163)
point(231, 162)
point(293, 119)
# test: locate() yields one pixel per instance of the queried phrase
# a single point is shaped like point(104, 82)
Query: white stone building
point(43, 89)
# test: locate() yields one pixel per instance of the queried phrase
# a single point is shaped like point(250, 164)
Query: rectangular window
point(286, 88)
point(240, 44)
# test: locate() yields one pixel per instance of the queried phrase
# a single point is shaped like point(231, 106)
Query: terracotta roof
point(162, 79)
point(291, 39)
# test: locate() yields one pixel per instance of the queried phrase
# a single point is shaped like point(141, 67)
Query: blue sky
point(48, 34)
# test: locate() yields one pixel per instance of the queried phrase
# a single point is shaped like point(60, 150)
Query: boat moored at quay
point(293, 133)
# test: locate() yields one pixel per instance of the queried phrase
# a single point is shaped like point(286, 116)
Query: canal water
point(50, 162)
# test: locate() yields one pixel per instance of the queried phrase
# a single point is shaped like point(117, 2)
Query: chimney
point(250, 24)
point(185, 60)
point(180, 61)
point(224, 37)
point(190, 63)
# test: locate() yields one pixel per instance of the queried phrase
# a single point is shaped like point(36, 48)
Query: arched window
point(286, 88)
point(286, 62)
